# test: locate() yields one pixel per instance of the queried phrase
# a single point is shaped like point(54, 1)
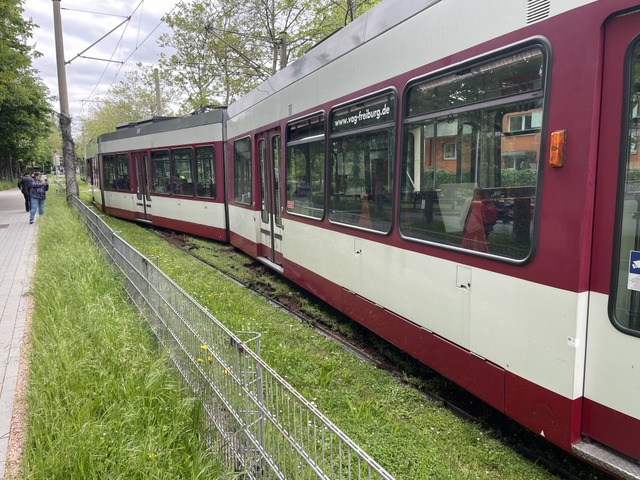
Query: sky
point(85, 22)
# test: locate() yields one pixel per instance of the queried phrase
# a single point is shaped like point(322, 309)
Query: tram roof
point(384, 16)
point(151, 125)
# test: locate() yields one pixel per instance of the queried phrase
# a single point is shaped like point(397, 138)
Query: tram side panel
point(173, 176)
point(243, 194)
point(459, 312)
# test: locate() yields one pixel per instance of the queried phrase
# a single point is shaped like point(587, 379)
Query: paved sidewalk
point(17, 252)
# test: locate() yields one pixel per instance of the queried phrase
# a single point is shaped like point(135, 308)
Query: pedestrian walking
point(24, 184)
point(38, 194)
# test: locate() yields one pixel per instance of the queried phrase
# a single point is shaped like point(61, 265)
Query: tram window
point(626, 293)
point(275, 155)
point(242, 171)
point(122, 172)
point(305, 167)
point(109, 171)
point(361, 164)
point(205, 172)
point(160, 171)
point(181, 180)
point(95, 173)
point(470, 173)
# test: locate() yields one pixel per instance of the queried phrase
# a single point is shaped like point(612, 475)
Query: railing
point(259, 423)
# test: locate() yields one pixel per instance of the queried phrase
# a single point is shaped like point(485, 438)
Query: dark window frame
point(538, 94)
point(244, 195)
point(204, 185)
point(626, 149)
point(180, 184)
point(160, 180)
point(309, 133)
point(369, 186)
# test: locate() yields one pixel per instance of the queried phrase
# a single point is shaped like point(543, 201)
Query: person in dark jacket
point(24, 184)
point(38, 194)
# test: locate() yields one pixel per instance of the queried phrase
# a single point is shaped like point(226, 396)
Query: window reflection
point(361, 163)
point(181, 181)
point(305, 167)
point(205, 172)
point(160, 171)
point(627, 292)
point(242, 171)
point(470, 173)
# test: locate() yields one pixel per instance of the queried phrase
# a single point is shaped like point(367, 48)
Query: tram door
point(611, 407)
point(271, 213)
point(143, 199)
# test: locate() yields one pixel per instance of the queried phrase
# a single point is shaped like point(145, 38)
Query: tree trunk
point(69, 157)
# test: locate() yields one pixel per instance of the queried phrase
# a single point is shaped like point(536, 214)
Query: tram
point(167, 172)
point(462, 178)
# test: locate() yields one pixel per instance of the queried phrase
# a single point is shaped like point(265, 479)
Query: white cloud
point(84, 23)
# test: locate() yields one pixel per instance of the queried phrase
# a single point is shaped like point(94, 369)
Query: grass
point(412, 437)
point(102, 401)
point(8, 184)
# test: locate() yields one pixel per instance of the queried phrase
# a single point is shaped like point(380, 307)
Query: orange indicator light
point(558, 145)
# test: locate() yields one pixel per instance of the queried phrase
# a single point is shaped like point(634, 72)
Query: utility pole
point(283, 50)
point(68, 151)
point(156, 76)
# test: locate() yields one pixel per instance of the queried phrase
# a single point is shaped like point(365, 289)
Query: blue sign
point(633, 281)
point(634, 262)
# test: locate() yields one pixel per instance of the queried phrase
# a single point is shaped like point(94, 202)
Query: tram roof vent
point(537, 10)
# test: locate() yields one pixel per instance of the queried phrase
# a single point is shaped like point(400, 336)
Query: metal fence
point(259, 423)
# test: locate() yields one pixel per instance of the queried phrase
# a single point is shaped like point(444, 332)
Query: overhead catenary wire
point(99, 40)
point(118, 45)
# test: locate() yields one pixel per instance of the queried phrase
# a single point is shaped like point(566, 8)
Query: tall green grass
point(102, 401)
point(8, 184)
point(412, 437)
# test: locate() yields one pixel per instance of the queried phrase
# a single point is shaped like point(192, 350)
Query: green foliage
point(412, 437)
point(510, 177)
point(25, 116)
point(515, 178)
point(442, 177)
point(130, 100)
point(215, 59)
point(221, 49)
point(633, 175)
point(7, 184)
point(328, 17)
point(225, 48)
point(102, 400)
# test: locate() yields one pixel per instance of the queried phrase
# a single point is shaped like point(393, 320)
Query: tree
point(212, 62)
point(25, 116)
point(225, 48)
point(130, 100)
point(328, 17)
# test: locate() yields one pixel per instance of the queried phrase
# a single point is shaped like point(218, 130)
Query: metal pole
point(68, 151)
point(62, 74)
point(156, 76)
point(283, 50)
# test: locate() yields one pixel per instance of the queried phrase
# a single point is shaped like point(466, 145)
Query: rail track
point(387, 357)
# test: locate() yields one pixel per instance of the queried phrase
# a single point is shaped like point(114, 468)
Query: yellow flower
point(200, 360)
point(203, 347)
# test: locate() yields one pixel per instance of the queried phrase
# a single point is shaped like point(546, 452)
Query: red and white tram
point(168, 172)
point(462, 178)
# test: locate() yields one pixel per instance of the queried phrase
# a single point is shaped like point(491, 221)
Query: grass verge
point(7, 184)
point(413, 438)
point(102, 401)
